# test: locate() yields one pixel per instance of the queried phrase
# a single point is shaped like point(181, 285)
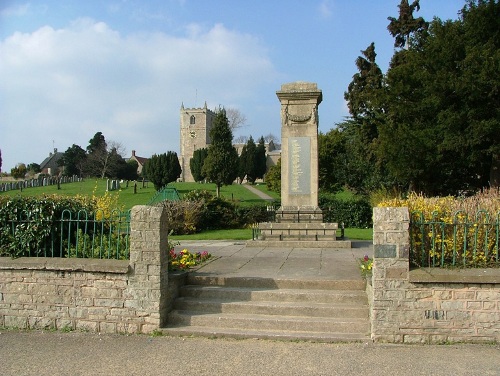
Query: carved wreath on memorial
point(298, 118)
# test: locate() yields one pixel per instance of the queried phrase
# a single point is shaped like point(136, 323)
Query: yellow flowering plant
point(366, 265)
point(185, 260)
point(458, 231)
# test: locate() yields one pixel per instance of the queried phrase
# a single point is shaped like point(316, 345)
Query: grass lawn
point(127, 199)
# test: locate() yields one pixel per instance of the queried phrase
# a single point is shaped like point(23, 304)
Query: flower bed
point(185, 260)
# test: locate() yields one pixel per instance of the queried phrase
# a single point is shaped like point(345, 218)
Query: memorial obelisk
point(299, 152)
point(299, 220)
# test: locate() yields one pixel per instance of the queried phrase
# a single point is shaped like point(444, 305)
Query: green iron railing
point(164, 194)
point(75, 234)
point(455, 241)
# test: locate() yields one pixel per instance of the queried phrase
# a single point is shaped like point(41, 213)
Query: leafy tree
point(163, 169)
point(33, 168)
point(73, 160)
point(19, 171)
point(273, 177)
point(126, 170)
point(196, 163)
point(332, 160)
point(221, 164)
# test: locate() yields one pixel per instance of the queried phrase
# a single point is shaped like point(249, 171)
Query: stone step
point(289, 309)
point(274, 295)
point(256, 322)
point(283, 335)
point(272, 283)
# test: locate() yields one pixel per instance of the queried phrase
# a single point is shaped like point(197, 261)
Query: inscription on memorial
point(299, 165)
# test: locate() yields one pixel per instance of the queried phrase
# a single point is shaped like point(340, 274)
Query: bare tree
point(241, 139)
point(236, 118)
point(271, 137)
point(102, 161)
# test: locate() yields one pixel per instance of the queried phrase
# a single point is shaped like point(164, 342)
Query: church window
point(192, 120)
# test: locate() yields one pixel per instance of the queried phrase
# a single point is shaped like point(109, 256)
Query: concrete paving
point(233, 258)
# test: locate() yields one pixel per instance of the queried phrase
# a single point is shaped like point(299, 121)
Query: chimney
point(133, 153)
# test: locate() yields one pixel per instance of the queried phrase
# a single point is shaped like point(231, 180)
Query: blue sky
point(69, 69)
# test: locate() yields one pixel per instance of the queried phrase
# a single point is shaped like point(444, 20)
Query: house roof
point(52, 160)
point(140, 160)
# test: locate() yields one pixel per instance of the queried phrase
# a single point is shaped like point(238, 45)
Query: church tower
point(195, 134)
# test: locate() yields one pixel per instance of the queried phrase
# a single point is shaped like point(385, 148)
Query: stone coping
point(440, 275)
point(65, 264)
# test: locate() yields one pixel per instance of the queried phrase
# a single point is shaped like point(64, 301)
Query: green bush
point(254, 214)
point(99, 245)
point(28, 225)
point(354, 213)
point(201, 210)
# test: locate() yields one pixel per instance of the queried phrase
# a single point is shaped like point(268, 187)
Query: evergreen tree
point(163, 169)
point(442, 133)
point(250, 160)
point(406, 26)
point(73, 160)
point(260, 159)
point(196, 163)
point(221, 164)
point(242, 164)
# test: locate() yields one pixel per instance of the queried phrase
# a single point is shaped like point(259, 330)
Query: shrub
point(28, 224)
point(184, 217)
point(355, 213)
point(249, 215)
point(453, 231)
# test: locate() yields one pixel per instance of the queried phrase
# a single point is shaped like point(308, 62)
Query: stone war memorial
point(299, 220)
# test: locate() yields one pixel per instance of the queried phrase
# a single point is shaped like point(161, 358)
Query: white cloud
point(67, 84)
point(325, 8)
point(16, 11)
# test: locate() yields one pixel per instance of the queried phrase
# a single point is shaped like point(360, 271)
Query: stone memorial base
point(299, 235)
point(292, 214)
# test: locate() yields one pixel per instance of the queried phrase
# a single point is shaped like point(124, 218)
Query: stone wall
point(428, 305)
point(109, 296)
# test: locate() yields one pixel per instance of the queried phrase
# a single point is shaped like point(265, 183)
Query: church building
point(196, 124)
